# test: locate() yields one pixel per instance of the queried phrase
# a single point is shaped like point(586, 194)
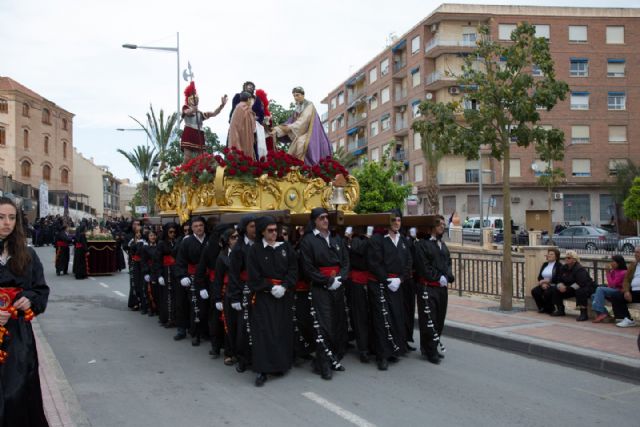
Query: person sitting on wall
point(573, 281)
point(547, 280)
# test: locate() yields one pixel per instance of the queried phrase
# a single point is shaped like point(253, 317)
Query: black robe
point(238, 291)
point(166, 303)
point(204, 280)
point(219, 294)
point(80, 256)
point(189, 253)
point(271, 317)
point(151, 265)
point(63, 241)
point(20, 394)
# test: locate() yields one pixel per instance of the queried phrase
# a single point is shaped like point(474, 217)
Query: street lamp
point(169, 49)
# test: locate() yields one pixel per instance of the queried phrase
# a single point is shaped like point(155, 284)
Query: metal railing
point(437, 42)
point(482, 274)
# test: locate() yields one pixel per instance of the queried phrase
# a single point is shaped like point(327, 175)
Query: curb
point(48, 359)
point(586, 359)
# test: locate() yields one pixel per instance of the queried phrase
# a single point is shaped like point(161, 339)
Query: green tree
point(212, 145)
point(551, 176)
point(344, 157)
point(142, 159)
point(625, 175)
point(279, 114)
point(378, 191)
point(632, 202)
point(498, 77)
point(432, 155)
point(159, 130)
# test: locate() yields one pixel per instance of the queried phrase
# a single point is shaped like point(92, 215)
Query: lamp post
point(175, 49)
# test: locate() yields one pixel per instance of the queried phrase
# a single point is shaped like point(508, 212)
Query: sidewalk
point(600, 347)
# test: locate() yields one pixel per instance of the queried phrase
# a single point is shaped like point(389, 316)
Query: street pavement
point(109, 366)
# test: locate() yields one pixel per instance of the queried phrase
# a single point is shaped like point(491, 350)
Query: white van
point(471, 228)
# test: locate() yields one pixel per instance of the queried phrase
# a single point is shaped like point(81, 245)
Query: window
point(4, 105)
point(373, 128)
point(385, 122)
point(417, 141)
point(46, 173)
point(46, 116)
point(579, 67)
point(46, 145)
point(334, 125)
point(514, 168)
point(616, 101)
point(415, 77)
point(334, 103)
point(384, 67)
point(615, 35)
point(373, 75)
point(25, 139)
point(375, 154)
point(473, 205)
point(341, 143)
point(64, 176)
point(373, 102)
point(617, 134)
point(470, 103)
point(615, 67)
point(471, 171)
point(540, 167)
point(606, 208)
point(65, 124)
point(415, 44)
point(543, 31)
point(577, 33)
point(580, 100)
point(64, 149)
point(581, 167)
point(340, 98)
point(384, 95)
point(415, 109)
point(505, 30)
point(417, 173)
point(25, 109)
point(615, 164)
point(580, 134)
point(536, 71)
point(576, 206)
point(3, 136)
point(25, 168)
point(340, 120)
point(469, 36)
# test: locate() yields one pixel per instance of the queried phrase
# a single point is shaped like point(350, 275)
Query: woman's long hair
point(16, 243)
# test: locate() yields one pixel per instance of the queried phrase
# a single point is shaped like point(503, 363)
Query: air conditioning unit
point(454, 90)
point(557, 196)
point(434, 28)
point(515, 199)
point(364, 115)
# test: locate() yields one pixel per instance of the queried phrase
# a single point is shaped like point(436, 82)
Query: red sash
point(191, 269)
point(274, 281)
point(302, 286)
point(168, 260)
point(361, 277)
point(211, 274)
point(79, 245)
point(136, 258)
point(244, 276)
point(331, 271)
point(426, 282)
point(62, 244)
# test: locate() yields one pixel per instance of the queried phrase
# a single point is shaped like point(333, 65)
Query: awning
point(399, 46)
point(415, 70)
point(353, 130)
point(355, 79)
point(580, 93)
point(615, 61)
point(360, 151)
point(415, 102)
point(581, 60)
point(616, 93)
point(385, 116)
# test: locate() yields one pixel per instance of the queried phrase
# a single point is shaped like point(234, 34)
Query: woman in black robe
point(221, 301)
point(80, 253)
point(23, 288)
point(166, 249)
point(273, 271)
point(120, 263)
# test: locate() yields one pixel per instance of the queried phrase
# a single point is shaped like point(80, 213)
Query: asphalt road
point(128, 371)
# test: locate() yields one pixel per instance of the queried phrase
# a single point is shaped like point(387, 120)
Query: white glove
point(161, 281)
point(204, 294)
point(236, 306)
point(278, 291)
point(443, 281)
point(147, 278)
point(337, 282)
point(575, 286)
point(185, 281)
point(394, 284)
point(219, 306)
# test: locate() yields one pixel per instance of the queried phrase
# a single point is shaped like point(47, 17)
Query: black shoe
point(241, 367)
point(195, 341)
point(261, 379)
point(441, 356)
point(558, 312)
point(57, 273)
point(383, 365)
point(180, 335)
point(393, 359)
point(364, 357)
point(326, 373)
point(542, 310)
point(583, 315)
point(434, 359)
point(411, 348)
point(143, 312)
point(340, 368)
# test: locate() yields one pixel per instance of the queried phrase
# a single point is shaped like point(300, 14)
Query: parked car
point(520, 238)
point(584, 237)
point(471, 228)
point(628, 244)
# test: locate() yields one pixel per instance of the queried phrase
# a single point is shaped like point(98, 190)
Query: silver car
point(628, 244)
point(585, 237)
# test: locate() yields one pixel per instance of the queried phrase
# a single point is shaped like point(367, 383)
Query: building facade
point(98, 185)
point(594, 52)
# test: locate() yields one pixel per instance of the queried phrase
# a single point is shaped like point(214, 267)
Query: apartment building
point(594, 52)
point(98, 185)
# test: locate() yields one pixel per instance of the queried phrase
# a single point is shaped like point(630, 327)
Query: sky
point(70, 52)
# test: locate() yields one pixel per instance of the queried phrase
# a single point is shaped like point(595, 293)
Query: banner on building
point(44, 199)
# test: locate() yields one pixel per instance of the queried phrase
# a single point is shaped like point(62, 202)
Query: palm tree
point(159, 131)
point(142, 159)
point(432, 156)
point(344, 157)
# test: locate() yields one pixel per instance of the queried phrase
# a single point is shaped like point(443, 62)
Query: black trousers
point(409, 303)
point(216, 326)
point(437, 299)
point(360, 314)
point(183, 310)
point(543, 297)
point(582, 296)
point(303, 338)
point(332, 322)
point(619, 304)
point(387, 319)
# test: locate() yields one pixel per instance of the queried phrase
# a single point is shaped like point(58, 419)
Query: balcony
point(356, 144)
point(438, 80)
point(357, 119)
point(399, 66)
point(399, 156)
point(437, 46)
point(401, 128)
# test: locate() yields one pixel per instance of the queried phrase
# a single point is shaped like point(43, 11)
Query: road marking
point(92, 278)
point(341, 412)
point(119, 293)
point(104, 285)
